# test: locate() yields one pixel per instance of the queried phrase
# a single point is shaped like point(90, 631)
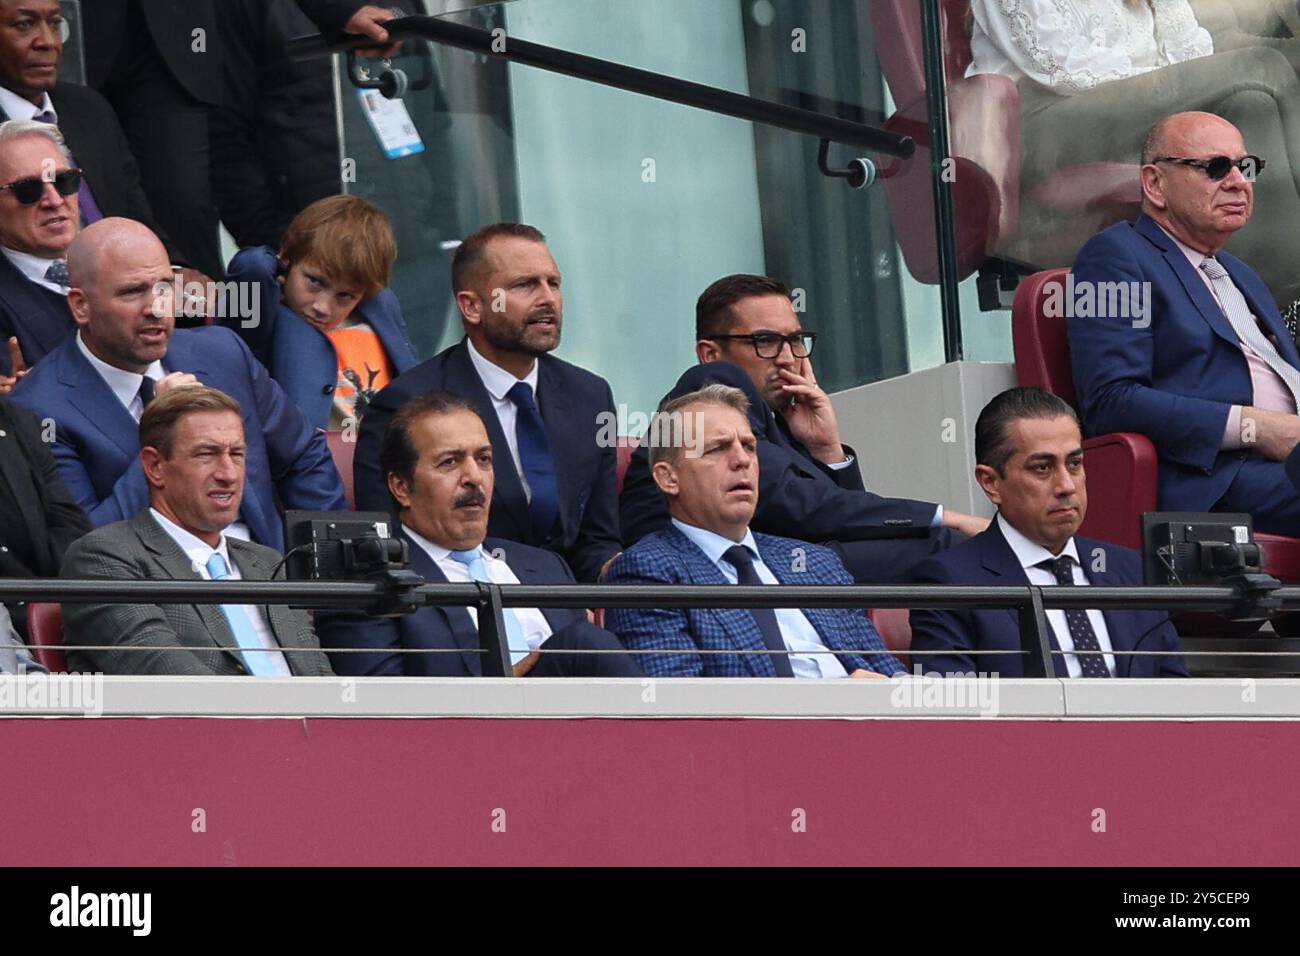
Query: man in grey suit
point(192, 451)
point(14, 656)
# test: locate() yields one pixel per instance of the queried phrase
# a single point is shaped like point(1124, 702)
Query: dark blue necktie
point(535, 458)
point(738, 556)
point(1076, 620)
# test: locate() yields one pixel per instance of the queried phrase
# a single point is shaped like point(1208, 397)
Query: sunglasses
point(28, 191)
point(1216, 167)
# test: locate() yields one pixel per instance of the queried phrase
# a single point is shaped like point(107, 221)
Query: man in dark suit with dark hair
point(555, 483)
point(749, 337)
point(31, 46)
point(439, 464)
point(1030, 464)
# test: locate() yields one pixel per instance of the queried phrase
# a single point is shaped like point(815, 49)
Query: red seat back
point(626, 446)
point(895, 627)
point(1041, 341)
point(45, 633)
point(343, 446)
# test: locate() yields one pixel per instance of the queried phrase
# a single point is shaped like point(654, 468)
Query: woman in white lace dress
point(1095, 75)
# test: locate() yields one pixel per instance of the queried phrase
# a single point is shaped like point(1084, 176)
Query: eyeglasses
point(28, 191)
point(768, 344)
point(1216, 167)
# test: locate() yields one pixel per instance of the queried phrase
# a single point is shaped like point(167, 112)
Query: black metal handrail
point(617, 75)
point(1029, 601)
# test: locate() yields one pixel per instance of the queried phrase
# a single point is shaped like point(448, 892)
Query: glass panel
point(646, 202)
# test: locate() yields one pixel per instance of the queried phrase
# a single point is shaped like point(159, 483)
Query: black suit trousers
point(582, 636)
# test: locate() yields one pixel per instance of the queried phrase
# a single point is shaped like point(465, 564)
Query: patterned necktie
point(738, 556)
point(260, 663)
point(1076, 619)
point(1243, 323)
point(473, 559)
point(58, 273)
point(85, 198)
point(536, 461)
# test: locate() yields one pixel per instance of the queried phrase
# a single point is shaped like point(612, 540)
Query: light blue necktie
point(260, 663)
point(473, 560)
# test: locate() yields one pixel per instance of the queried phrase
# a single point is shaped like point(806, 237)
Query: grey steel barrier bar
point(1030, 602)
point(617, 75)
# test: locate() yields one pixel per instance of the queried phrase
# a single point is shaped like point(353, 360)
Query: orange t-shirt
point(363, 370)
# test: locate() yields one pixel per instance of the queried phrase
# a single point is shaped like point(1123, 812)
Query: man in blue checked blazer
point(704, 460)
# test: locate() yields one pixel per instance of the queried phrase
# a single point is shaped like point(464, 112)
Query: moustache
point(474, 496)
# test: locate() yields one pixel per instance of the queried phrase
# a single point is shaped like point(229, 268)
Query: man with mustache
point(95, 386)
point(193, 454)
point(748, 336)
point(440, 466)
point(555, 484)
point(1193, 354)
point(1030, 464)
point(704, 458)
point(39, 218)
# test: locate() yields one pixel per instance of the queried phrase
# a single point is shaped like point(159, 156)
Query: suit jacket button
point(327, 390)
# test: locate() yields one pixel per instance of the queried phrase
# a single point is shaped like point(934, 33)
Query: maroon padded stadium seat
point(1122, 466)
point(45, 633)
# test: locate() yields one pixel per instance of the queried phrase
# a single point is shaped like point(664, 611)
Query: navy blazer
point(1175, 377)
point(38, 317)
point(670, 557)
point(988, 559)
point(435, 627)
point(299, 356)
point(798, 496)
point(573, 402)
point(97, 447)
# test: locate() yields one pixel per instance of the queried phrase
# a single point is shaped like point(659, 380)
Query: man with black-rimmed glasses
point(749, 336)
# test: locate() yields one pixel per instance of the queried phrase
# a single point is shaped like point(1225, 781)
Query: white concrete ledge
point(65, 695)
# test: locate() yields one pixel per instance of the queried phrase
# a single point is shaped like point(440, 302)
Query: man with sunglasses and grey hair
point(1175, 339)
point(748, 336)
point(40, 215)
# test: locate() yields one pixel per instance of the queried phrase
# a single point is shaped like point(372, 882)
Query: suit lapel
point(456, 618)
point(90, 395)
point(175, 564)
point(557, 414)
point(1191, 279)
point(277, 616)
point(30, 306)
point(737, 623)
point(508, 493)
point(1119, 623)
point(998, 559)
point(1265, 312)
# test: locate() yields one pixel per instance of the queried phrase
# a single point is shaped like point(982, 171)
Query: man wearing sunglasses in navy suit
point(39, 218)
point(1194, 353)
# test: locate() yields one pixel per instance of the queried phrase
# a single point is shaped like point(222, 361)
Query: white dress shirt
point(1029, 554)
point(1071, 46)
point(498, 382)
point(199, 552)
point(808, 657)
point(531, 620)
point(34, 268)
point(125, 385)
point(19, 107)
